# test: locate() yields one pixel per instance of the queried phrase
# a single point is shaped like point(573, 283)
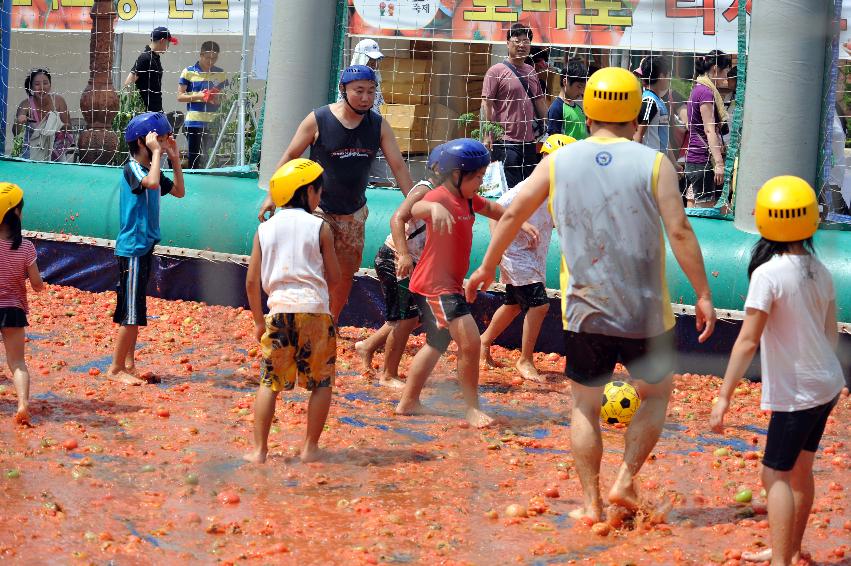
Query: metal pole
point(5, 46)
point(215, 150)
point(781, 139)
point(243, 79)
point(300, 44)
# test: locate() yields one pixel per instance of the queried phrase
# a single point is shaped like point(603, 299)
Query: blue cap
point(357, 73)
point(464, 154)
point(141, 125)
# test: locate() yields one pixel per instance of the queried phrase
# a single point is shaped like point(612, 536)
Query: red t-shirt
point(13, 273)
point(446, 257)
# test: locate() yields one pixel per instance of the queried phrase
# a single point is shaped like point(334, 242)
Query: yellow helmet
point(11, 196)
point(290, 177)
point(612, 94)
point(786, 209)
point(555, 141)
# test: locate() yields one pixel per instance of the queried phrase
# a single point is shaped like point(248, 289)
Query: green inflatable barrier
point(219, 213)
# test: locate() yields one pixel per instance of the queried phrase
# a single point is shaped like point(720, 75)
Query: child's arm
point(37, 284)
point(252, 289)
point(170, 147)
point(152, 179)
point(740, 358)
point(404, 263)
point(441, 219)
point(494, 211)
point(830, 329)
point(329, 262)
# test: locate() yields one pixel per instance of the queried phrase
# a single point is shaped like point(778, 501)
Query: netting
point(78, 57)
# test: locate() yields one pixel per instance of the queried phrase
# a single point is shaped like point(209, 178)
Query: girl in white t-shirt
point(791, 316)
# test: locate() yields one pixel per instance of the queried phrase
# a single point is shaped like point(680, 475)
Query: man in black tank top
point(344, 138)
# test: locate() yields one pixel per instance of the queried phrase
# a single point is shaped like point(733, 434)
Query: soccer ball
point(619, 404)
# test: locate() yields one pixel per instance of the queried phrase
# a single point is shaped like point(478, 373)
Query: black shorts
point(790, 433)
point(701, 178)
point(437, 313)
point(591, 358)
point(131, 305)
point(13, 317)
point(399, 303)
point(527, 296)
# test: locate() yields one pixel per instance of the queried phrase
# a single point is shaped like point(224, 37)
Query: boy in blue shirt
point(140, 188)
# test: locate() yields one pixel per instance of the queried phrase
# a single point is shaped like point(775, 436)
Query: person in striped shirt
point(200, 88)
point(17, 264)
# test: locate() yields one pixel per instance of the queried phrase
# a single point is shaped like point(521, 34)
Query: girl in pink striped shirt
point(17, 264)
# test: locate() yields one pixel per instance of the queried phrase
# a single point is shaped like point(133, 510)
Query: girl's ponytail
point(12, 221)
point(764, 250)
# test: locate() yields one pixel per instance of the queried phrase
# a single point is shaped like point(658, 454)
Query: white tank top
point(292, 270)
point(602, 197)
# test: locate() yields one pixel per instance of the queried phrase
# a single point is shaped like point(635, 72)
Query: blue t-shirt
point(200, 114)
point(139, 211)
point(555, 117)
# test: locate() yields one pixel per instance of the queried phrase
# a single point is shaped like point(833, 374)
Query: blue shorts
point(131, 304)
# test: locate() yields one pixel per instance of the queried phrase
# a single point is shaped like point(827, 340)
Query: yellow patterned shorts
point(298, 347)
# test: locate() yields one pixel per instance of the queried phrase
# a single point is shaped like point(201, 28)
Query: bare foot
point(617, 515)
point(485, 358)
point(310, 453)
point(625, 496)
point(392, 382)
point(478, 419)
point(121, 376)
point(149, 377)
point(764, 555)
point(22, 417)
point(257, 456)
point(529, 372)
point(364, 355)
point(587, 513)
point(411, 408)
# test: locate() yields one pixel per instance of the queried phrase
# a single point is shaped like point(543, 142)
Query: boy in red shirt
point(449, 212)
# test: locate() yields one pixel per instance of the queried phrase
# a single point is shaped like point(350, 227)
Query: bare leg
point(340, 294)
point(587, 445)
point(317, 414)
point(641, 437)
point(501, 320)
point(264, 412)
point(14, 339)
point(393, 350)
point(803, 491)
point(421, 368)
point(367, 348)
point(125, 343)
point(531, 330)
point(781, 515)
point(466, 334)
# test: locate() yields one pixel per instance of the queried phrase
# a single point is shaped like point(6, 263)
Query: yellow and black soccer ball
point(619, 404)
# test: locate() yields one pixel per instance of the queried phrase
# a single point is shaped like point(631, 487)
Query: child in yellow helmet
point(294, 261)
point(17, 264)
point(523, 270)
point(791, 317)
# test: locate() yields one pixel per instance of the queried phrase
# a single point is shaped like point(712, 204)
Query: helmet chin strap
point(355, 110)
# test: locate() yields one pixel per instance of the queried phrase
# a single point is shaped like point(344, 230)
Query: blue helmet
point(141, 125)
point(434, 157)
point(465, 154)
point(357, 73)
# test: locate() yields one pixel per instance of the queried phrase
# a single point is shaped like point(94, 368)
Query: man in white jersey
point(607, 195)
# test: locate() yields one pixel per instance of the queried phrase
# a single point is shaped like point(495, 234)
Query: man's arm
point(304, 136)
point(541, 108)
point(685, 246)
point(131, 79)
point(534, 194)
point(487, 114)
point(394, 158)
